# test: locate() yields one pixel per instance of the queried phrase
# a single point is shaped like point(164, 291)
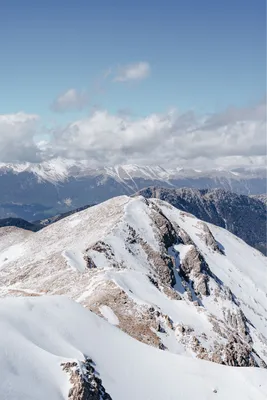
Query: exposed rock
point(138, 323)
point(184, 237)
point(161, 263)
point(238, 354)
point(209, 238)
point(102, 247)
point(194, 268)
point(242, 215)
point(238, 322)
point(89, 262)
point(86, 385)
point(167, 231)
point(171, 293)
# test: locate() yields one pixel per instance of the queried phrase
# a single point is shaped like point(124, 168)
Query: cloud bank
point(17, 132)
point(236, 137)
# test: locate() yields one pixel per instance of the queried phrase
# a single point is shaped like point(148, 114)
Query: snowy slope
point(158, 273)
point(244, 216)
point(32, 352)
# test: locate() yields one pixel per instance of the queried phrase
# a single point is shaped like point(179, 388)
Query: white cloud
point(71, 100)
point(169, 139)
point(228, 139)
point(17, 132)
point(133, 72)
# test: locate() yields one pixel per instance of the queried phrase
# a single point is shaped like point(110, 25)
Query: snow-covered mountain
point(158, 273)
point(61, 184)
point(245, 216)
point(52, 348)
point(261, 197)
point(242, 215)
point(59, 169)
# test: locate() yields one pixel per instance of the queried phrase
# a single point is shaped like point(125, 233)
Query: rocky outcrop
point(209, 239)
point(195, 269)
point(85, 382)
point(160, 261)
point(239, 323)
point(242, 215)
point(137, 322)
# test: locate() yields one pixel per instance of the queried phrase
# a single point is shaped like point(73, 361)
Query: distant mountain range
point(38, 191)
point(19, 223)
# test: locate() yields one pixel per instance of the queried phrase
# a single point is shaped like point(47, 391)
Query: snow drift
point(38, 335)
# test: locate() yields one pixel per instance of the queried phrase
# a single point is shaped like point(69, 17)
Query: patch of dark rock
point(89, 262)
point(162, 347)
point(160, 328)
point(153, 281)
point(85, 381)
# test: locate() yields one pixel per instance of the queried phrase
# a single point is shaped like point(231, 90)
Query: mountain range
point(148, 289)
point(188, 288)
point(37, 191)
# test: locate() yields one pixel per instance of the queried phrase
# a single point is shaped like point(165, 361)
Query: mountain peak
point(167, 278)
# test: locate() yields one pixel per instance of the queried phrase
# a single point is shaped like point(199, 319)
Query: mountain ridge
point(242, 215)
point(59, 169)
point(160, 274)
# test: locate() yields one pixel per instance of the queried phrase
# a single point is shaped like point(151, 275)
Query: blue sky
point(178, 82)
point(203, 55)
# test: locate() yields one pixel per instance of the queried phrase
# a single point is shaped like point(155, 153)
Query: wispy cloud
point(71, 100)
point(133, 72)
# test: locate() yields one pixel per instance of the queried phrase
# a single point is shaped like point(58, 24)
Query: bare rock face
point(86, 385)
point(244, 216)
point(136, 322)
point(238, 322)
point(195, 269)
point(102, 247)
point(166, 229)
point(160, 261)
point(238, 354)
point(162, 264)
point(184, 237)
point(209, 238)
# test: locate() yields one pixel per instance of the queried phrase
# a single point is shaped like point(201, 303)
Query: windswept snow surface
point(11, 235)
point(111, 257)
point(38, 334)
